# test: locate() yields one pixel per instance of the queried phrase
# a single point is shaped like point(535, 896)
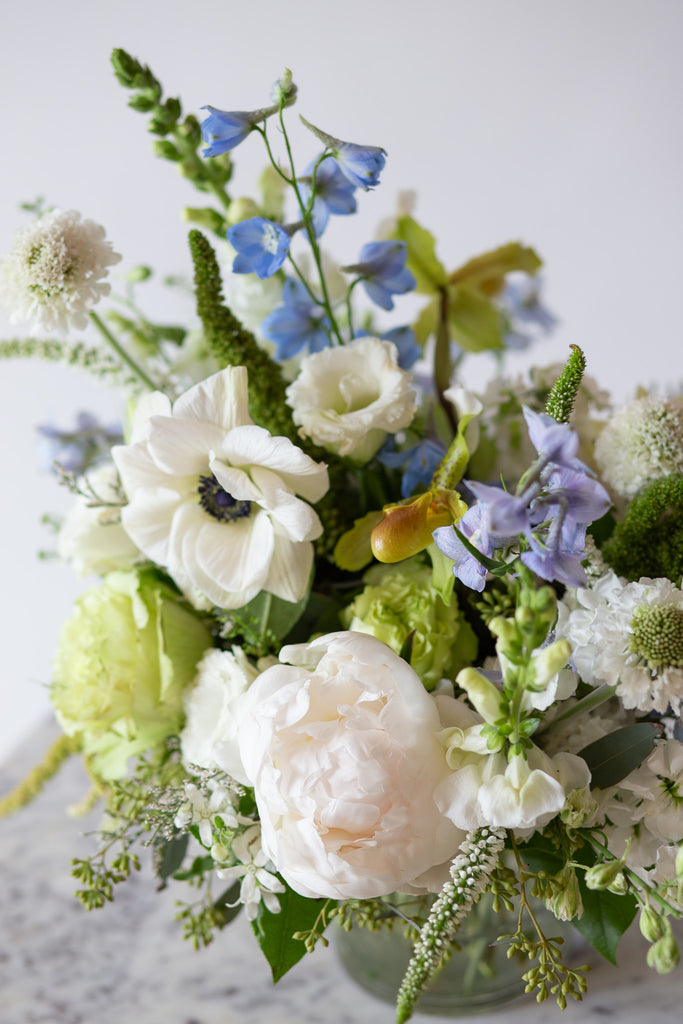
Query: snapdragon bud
point(550, 660)
point(242, 208)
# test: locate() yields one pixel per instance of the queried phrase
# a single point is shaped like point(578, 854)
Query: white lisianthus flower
point(55, 273)
point(91, 537)
point(348, 398)
point(342, 750)
point(641, 443)
point(213, 498)
point(209, 738)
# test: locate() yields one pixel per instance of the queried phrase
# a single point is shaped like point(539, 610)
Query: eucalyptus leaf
point(169, 856)
point(616, 755)
point(274, 931)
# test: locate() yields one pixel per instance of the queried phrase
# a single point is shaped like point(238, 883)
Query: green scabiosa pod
point(123, 661)
point(565, 389)
point(649, 539)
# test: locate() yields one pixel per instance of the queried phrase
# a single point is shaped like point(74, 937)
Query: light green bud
point(600, 876)
point(567, 904)
point(242, 209)
point(219, 852)
point(504, 629)
point(395, 603)
point(678, 863)
point(620, 885)
point(122, 663)
point(650, 923)
point(484, 696)
point(664, 955)
point(524, 617)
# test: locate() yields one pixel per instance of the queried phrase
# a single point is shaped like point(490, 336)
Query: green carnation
point(397, 602)
point(123, 660)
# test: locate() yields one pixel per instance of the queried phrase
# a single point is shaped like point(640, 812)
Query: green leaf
point(473, 319)
point(272, 614)
point(540, 854)
point(613, 757)
point(487, 270)
point(606, 916)
point(274, 931)
point(353, 551)
point(430, 273)
point(443, 579)
point(228, 903)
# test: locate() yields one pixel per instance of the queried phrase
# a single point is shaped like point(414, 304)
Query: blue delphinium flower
point(334, 193)
point(261, 246)
point(362, 165)
point(405, 341)
point(383, 272)
point(527, 318)
point(420, 463)
point(223, 130)
point(298, 323)
point(467, 568)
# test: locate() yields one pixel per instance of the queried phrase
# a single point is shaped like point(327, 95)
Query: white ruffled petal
point(221, 400)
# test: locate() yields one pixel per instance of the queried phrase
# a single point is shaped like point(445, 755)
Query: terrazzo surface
point(127, 964)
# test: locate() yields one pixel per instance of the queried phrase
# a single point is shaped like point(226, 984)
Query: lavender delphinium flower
point(468, 569)
point(78, 449)
point(383, 272)
point(527, 318)
point(334, 193)
point(261, 246)
point(405, 341)
point(223, 130)
point(297, 324)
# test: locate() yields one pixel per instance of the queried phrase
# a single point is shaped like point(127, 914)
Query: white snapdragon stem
point(470, 873)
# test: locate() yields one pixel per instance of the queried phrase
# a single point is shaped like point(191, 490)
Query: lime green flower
point(397, 601)
point(123, 660)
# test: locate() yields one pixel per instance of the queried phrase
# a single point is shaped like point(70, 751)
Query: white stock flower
point(212, 497)
point(91, 537)
point(342, 750)
point(347, 398)
point(209, 738)
point(641, 443)
point(483, 787)
point(55, 273)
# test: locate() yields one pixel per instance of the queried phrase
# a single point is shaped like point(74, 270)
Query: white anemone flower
point(212, 497)
point(348, 398)
point(55, 273)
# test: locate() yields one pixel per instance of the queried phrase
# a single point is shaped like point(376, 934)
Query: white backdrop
point(553, 122)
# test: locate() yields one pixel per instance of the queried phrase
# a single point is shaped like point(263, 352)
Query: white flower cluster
point(641, 443)
point(55, 273)
point(628, 635)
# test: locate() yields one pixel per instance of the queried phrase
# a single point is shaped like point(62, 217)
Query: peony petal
point(221, 399)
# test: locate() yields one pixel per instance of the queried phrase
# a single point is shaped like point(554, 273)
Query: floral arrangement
point(359, 632)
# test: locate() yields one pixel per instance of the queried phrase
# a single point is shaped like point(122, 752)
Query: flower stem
point(122, 354)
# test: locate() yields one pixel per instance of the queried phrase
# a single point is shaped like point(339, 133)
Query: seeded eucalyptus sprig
point(179, 138)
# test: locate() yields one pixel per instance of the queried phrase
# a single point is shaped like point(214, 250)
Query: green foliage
point(613, 757)
point(263, 623)
point(649, 539)
point(201, 919)
point(83, 357)
point(275, 933)
point(565, 389)
point(606, 916)
point(179, 138)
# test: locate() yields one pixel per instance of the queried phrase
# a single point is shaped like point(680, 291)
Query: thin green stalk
point(122, 354)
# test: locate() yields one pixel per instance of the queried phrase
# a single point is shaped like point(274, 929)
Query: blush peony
point(342, 749)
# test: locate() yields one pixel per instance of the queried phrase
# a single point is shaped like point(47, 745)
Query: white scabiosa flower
point(213, 498)
point(629, 635)
point(348, 398)
point(640, 444)
point(55, 273)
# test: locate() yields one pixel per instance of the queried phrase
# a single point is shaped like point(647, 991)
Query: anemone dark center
point(219, 503)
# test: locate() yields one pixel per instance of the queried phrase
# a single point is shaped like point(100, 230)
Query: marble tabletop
point(127, 964)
